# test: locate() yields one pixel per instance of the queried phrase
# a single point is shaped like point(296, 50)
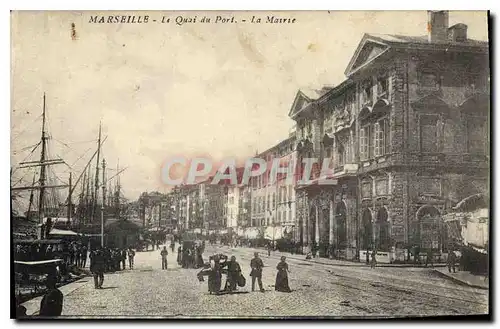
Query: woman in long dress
point(282, 276)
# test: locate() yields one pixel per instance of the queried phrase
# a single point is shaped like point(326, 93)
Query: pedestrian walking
point(164, 254)
point(131, 255)
point(124, 257)
point(374, 259)
point(52, 302)
point(281, 283)
point(83, 256)
point(172, 245)
point(429, 258)
point(97, 267)
point(179, 255)
point(451, 261)
point(233, 274)
point(269, 249)
point(157, 244)
point(256, 264)
point(215, 276)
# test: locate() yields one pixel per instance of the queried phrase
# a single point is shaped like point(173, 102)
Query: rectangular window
point(477, 134)
point(341, 152)
point(382, 86)
point(381, 187)
point(428, 133)
point(428, 80)
point(366, 189)
point(363, 143)
point(430, 186)
point(366, 93)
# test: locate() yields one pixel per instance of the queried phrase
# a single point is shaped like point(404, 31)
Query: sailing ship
point(45, 209)
point(44, 191)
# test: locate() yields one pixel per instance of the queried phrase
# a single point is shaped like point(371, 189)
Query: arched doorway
point(301, 231)
point(383, 234)
point(431, 233)
point(325, 232)
point(312, 225)
point(340, 218)
point(367, 230)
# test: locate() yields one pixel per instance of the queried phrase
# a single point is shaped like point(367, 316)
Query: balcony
point(347, 169)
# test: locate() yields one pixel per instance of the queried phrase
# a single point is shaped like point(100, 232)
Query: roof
point(396, 38)
point(384, 42)
point(56, 231)
point(56, 220)
point(122, 224)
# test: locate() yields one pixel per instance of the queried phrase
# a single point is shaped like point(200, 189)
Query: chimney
point(437, 25)
point(457, 33)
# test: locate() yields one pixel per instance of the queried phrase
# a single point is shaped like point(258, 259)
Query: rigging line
point(33, 150)
point(26, 128)
point(62, 143)
point(22, 177)
point(25, 148)
point(80, 142)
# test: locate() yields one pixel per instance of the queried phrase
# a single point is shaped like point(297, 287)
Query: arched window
point(383, 234)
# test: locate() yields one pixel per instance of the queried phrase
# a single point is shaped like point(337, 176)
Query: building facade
point(407, 135)
point(273, 203)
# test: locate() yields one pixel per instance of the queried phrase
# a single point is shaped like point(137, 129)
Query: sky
point(222, 90)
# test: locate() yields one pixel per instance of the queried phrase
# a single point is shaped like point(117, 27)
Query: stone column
point(332, 215)
point(317, 225)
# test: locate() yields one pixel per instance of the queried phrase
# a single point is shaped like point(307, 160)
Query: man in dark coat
point(256, 264)
point(83, 256)
point(131, 255)
point(233, 274)
point(164, 254)
point(179, 255)
point(124, 257)
point(97, 267)
point(52, 301)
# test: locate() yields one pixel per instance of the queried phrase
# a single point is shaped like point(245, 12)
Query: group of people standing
point(191, 257)
point(104, 260)
point(219, 264)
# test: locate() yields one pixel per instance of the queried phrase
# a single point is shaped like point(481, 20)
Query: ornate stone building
point(408, 133)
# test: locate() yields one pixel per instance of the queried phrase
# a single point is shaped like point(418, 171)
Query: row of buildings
point(407, 134)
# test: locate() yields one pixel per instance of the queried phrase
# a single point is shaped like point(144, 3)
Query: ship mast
point(118, 190)
point(42, 167)
point(96, 187)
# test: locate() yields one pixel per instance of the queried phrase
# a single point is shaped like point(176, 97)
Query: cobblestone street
point(318, 290)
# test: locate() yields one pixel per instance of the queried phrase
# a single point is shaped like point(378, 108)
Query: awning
point(273, 233)
point(251, 233)
point(56, 231)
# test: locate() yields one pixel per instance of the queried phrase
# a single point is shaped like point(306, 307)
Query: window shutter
point(387, 136)
point(370, 141)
